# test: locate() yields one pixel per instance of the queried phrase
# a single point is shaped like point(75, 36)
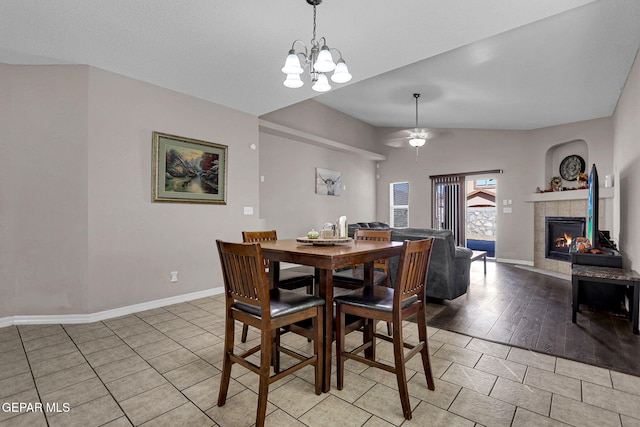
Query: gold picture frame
point(187, 170)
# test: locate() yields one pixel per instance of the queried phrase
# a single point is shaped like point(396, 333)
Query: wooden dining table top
point(329, 257)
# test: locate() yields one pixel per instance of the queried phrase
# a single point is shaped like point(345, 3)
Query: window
point(485, 183)
point(399, 204)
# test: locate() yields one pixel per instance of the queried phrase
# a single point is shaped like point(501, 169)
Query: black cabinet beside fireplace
point(594, 293)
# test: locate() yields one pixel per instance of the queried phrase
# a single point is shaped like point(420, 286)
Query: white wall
point(85, 235)
point(520, 154)
point(626, 170)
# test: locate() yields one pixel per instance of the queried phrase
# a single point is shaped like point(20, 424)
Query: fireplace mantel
point(605, 193)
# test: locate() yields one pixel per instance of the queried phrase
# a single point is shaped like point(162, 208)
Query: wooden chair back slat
point(375, 235)
point(412, 269)
point(243, 272)
point(260, 236)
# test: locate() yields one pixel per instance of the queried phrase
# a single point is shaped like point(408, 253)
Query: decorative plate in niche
point(571, 166)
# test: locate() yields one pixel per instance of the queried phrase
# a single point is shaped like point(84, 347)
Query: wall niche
point(559, 152)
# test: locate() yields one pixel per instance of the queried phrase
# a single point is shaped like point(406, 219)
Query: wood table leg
point(325, 289)
point(370, 352)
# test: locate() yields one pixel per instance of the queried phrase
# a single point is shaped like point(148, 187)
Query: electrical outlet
point(174, 276)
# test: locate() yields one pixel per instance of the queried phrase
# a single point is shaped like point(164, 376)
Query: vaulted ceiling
point(495, 64)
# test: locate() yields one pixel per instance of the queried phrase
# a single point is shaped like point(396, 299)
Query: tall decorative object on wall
point(187, 170)
point(328, 182)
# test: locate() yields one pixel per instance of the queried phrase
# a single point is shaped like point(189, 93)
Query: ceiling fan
point(415, 137)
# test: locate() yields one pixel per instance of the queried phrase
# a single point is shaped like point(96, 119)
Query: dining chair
point(353, 278)
point(290, 278)
point(395, 305)
point(248, 299)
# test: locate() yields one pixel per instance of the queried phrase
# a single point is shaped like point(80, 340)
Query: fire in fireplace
point(560, 231)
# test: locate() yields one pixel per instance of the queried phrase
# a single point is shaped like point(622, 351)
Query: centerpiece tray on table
point(325, 242)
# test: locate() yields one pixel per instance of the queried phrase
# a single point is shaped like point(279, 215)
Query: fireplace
point(559, 232)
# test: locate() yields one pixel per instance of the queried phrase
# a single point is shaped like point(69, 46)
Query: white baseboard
point(515, 261)
point(107, 314)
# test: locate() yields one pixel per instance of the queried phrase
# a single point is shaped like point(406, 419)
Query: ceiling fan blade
point(397, 142)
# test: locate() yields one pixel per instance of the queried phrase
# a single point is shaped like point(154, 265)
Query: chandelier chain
point(313, 41)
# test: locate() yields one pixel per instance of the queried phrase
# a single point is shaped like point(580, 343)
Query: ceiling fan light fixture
point(419, 138)
point(417, 142)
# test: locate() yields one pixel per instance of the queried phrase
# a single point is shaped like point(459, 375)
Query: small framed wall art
point(328, 182)
point(187, 170)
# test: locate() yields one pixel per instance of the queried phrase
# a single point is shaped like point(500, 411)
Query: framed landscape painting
point(187, 170)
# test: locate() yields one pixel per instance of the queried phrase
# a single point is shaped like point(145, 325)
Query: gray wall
point(522, 156)
point(288, 202)
point(79, 231)
point(627, 167)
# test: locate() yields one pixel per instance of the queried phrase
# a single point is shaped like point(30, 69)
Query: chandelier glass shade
point(318, 59)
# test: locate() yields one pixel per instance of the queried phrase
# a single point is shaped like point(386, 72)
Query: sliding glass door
point(450, 202)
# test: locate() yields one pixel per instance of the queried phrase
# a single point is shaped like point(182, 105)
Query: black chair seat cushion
point(297, 277)
point(356, 277)
point(308, 323)
point(283, 302)
point(374, 297)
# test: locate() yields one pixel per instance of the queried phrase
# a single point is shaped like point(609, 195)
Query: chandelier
point(319, 61)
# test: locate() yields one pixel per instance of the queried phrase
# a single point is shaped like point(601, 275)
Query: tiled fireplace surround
point(574, 208)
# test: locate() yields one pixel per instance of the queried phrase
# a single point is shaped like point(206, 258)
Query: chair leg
point(245, 330)
point(275, 351)
point(401, 374)
point(265, 372)
point(424, 352)
point(226, 361)
point(368, 335)
point(388, 285)
point(340, 320)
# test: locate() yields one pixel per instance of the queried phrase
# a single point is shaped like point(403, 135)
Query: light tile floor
point(162, 367)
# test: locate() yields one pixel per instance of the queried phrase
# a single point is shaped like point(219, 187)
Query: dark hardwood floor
point(514, 306)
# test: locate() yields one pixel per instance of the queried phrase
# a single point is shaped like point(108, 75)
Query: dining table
point(326, 258)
